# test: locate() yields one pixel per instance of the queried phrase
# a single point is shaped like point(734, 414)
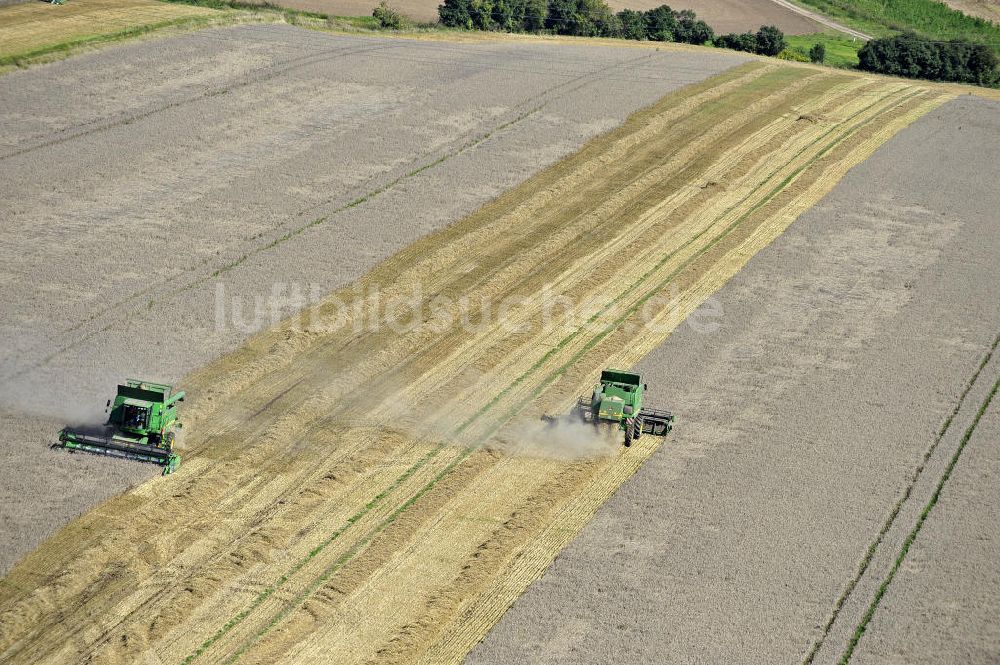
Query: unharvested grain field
point(355, 492)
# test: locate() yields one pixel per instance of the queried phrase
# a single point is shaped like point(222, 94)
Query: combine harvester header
point(140, 426)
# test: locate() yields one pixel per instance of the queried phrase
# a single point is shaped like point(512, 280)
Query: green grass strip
point(884, 587)
point(256, 7)
point(928, 18)
point(841, 50)
point(26, 58)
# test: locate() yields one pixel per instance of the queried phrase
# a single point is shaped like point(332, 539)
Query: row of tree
point(593, 18)
point(903, 55)
point(769, 40)
point(915, 57)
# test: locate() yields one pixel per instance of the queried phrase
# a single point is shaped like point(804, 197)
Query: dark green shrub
point(584, 18)
point(633, 24)
point(388, 17)
point(817, 53)
point(456, 14)
point(770, 40)
point(916, 57)
point(661, 24)
point(534, 13)
point(691, 30)
point(738, 42)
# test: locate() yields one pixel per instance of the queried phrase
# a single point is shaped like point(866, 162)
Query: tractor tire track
point(262, 76)
point(168, 287)
point(878, 545)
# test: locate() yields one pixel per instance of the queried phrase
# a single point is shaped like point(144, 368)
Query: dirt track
point(138, 180)
point(308, 521)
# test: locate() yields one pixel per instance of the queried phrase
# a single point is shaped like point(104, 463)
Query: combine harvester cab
point(140, 426)
point(617, 403)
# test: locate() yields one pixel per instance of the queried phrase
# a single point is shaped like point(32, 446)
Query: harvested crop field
point(354, 491)
point(34, 28)
point(988, 10)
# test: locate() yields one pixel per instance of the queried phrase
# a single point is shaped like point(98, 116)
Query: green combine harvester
point(140, 426)
point(616, 403)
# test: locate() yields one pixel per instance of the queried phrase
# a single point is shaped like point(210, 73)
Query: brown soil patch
point(984, 9)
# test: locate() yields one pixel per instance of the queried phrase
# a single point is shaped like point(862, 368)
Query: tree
point(691, 30)
point(534, 12)
point(559, 15)
point(456, 14)
point(633, 24)
point(916, 57)
point(584, 18)
point(605, 23)
point(746, 41)
point(982, 65)
point(817, 53)
point(661, 24)
point(770, 40)
point(387, 17)
point(504, 15)
point(611, 26)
